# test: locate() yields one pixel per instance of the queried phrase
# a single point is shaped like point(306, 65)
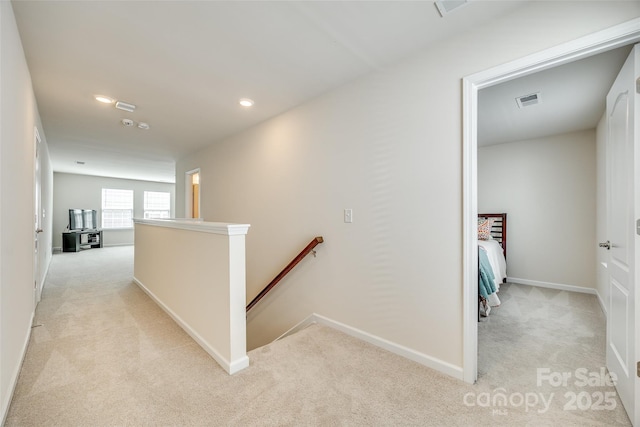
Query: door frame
point(188, 202)
point(37, 212)
point(592, 44)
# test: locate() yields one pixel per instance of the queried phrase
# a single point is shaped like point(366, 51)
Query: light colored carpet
point(106, 355)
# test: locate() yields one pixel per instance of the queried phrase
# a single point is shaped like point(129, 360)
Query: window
point(157, 204)
point(117, 208)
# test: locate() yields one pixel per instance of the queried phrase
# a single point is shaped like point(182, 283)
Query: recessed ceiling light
point(104, 99)
point(246, 102)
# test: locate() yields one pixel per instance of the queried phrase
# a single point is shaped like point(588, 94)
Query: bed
point(492, 259)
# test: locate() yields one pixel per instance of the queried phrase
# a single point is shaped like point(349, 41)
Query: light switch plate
point(348, 215)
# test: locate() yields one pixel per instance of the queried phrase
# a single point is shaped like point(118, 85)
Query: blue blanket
point(486, 279)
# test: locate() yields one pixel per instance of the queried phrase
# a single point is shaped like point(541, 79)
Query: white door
point(37, 191)
point(623, 208)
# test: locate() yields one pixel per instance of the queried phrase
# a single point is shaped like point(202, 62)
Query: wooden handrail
point(315, 242)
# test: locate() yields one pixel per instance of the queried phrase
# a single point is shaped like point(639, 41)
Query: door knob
point(39, 230)
point(606, 244)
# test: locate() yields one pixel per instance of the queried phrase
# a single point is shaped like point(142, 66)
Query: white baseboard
point(44, 281)
point(300, 326)
point(46, 272)
point(230, 366)
point(400, 350)
point(58, 250)
point(8, 396)
point(603, 306)
point(237, 365)
point(558, 286)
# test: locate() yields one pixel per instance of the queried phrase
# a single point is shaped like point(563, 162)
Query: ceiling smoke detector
point(527, 100)
point(127, 122)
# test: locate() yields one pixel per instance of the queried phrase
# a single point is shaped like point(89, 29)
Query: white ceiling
point(185, 64)
point(572, 98)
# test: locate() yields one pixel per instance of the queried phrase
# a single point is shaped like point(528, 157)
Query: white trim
point(230, 366)
point(592, 44)
point(188, 201)
point(603, 306)
point(13, 382)
point(113, 245)
point(551, 285)
point(400, 350)
point(223, 228)
point(58, 249)
point(237, 365)
point(470, 234)
point(583, 47)
point(37, 213)
point(44, 281)
point(300, 326)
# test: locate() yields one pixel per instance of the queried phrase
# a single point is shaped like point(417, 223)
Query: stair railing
point(306, 251)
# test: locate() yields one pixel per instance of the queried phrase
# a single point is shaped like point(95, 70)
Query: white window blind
point(157, 204)
point(117, 208)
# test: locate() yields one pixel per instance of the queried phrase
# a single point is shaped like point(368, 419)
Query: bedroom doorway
point(614, 37)
point(192, 193)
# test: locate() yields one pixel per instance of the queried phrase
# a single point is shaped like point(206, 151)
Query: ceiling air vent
point(527, 100)
point(125, 106)
point(446, 6)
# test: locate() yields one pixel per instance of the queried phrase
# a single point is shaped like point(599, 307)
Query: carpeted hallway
point(103, 354)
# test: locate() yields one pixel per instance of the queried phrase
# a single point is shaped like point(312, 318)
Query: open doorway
point(537, 161)
point(192, 194)
point(600, 42)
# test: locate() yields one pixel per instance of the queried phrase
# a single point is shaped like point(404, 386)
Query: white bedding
point(496, 258)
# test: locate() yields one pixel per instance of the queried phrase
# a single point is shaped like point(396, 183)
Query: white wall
point(388, 146)
point(18, 117)
point(548, 188)
point(196, 272)
point(85, 192)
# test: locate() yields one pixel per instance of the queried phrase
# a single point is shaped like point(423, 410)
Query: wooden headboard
point(499, 229)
